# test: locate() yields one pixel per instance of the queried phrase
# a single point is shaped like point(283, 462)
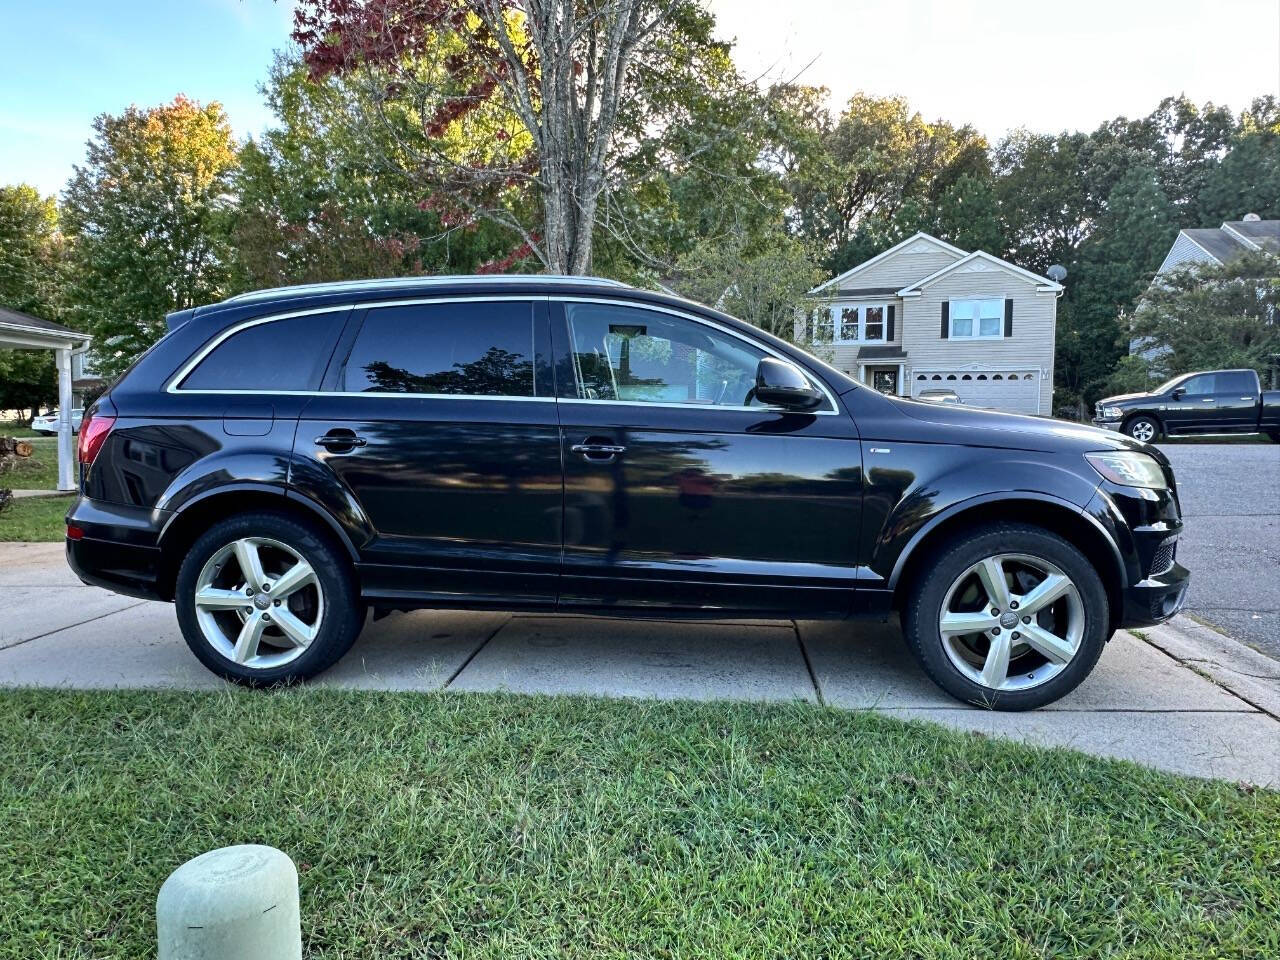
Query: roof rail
point(434, 281)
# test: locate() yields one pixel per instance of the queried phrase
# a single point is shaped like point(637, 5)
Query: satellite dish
point(1057, 273)
point(1251, 218)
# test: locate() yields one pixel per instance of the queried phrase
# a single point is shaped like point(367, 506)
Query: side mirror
point(782, 384)
point(1178, 393)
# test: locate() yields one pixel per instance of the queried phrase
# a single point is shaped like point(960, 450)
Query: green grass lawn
point(36, 472)
point(493, 826)
point(11, 428)
point(35, 518)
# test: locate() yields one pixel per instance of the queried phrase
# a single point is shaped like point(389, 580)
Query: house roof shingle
point(16, 318)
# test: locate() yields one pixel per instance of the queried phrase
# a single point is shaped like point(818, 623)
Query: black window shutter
point(889, 332)
point(946, 319)
point(1008, 316)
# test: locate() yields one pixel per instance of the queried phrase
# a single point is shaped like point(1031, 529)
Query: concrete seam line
point(472, 655)
point(1212, 678)
point(808, 664)
point(71, 626)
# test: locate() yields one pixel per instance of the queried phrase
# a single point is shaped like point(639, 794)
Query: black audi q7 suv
point(282, 462)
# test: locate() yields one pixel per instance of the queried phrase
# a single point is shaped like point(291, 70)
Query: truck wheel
point(1143, 428)
point(263, 599)
point(1009, 616)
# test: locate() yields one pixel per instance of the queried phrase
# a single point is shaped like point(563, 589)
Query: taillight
point(93, 432)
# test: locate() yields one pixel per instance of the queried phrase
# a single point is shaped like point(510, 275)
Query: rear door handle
point(597, 451)
point(340, 440)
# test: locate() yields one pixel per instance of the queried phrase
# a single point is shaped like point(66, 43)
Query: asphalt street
point(1230, 496)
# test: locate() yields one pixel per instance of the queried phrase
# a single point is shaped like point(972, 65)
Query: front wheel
point(1144, 429)
point(1011, 617)
point(263, 599)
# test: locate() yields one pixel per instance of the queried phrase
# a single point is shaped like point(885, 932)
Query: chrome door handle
point(598, 452)
point(331, 440)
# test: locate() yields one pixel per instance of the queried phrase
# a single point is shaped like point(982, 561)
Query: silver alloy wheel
point(1012, 622)
point(1142, 430)
point(259, 603)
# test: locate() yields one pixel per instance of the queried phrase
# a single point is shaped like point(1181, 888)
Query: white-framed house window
point(853, 323)
point(977, 319)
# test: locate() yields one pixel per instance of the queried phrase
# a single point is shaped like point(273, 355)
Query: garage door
point(1015, 391)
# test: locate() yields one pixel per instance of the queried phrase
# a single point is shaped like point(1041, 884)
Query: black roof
point(19, 319)
point(881, 353)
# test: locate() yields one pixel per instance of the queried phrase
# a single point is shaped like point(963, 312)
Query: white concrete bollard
point(236, 903)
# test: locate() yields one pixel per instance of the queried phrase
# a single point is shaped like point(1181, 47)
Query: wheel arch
point(201, 512)
point(1038, 510)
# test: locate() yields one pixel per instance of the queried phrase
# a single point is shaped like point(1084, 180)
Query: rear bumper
point(119, 548)
point(1157, 598)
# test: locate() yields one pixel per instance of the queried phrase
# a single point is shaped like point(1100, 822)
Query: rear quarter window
point(286, 354)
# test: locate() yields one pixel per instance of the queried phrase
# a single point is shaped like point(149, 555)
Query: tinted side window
point(468, 348)
point(288, 354)
point(627, 353)
point(1241, 382)
point(1203, 384)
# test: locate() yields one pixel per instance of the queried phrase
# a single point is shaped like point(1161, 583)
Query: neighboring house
point(1214, 246)
point(927, 315)
point(1219, 245)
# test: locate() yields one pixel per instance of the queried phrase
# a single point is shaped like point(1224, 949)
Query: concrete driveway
point(1170, 699)
point(1230, 497)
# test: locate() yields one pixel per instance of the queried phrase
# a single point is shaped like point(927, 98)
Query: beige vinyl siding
point(912, 263)
point(1034, 316)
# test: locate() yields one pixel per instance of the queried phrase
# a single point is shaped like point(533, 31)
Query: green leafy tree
point(860, 170)
point(1247, 180)
point(765, 283)
point(1114, 266)
point(148, 213)
point(1214, 317)
point(31, 265)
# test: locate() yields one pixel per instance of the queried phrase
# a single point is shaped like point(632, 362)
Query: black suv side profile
point(282, 462)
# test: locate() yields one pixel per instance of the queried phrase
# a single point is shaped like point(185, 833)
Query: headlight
point(1112, 413)
point(1129, 468)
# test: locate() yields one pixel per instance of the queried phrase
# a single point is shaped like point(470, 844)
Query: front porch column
point(66, 449)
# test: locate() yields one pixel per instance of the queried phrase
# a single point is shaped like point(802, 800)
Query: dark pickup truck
point(1217, 402)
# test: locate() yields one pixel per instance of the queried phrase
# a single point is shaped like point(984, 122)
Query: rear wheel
point(1011, 617)
point(1143, 428)
point(263, 599)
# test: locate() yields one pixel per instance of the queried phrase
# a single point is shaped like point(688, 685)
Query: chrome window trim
point(177, 378)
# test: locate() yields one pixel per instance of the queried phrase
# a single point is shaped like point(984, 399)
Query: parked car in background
point(48, 424)
point(1214, 402)
point(938, 396)
point(282, 462)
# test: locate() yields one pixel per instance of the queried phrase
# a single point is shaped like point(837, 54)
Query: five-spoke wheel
point(258, 602)
point(1010, 616)
point(265, 598)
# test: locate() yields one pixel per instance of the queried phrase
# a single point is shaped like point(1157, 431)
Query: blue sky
point(994, 63)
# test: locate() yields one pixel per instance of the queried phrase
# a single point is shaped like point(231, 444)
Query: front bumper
point(1107, 424)
point(1157, 598)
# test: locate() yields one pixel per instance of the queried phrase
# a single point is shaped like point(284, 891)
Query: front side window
point(632, 354)
point(275, 355)
point(977, 319)
point(1202, 385)
point(464, 348)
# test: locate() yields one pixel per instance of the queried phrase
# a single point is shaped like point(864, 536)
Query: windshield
point(1169, 384)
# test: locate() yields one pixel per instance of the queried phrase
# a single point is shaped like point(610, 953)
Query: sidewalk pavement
point(1179, 697)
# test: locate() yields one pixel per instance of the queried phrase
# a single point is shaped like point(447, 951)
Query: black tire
point(1138, 424)
point(343, 613)
point(1274, 435)
point(924, 608)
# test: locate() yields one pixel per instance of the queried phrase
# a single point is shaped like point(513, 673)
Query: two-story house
point(926, 315)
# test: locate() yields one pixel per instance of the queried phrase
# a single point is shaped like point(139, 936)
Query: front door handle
point(340, 441)
point(598, 451)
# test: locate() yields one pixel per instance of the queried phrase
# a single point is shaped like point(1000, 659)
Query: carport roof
point(22, 329)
